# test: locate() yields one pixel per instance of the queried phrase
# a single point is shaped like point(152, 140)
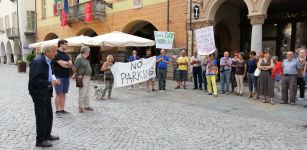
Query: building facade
point(137, 17)
point(17, 29)
point(245, 25)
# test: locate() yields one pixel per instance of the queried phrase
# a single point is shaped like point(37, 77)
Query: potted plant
point(21, 66)
point(30, 58)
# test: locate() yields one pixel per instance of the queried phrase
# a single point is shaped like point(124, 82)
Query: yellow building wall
point(122, 17)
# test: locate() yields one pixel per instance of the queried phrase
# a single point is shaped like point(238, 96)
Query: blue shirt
point(225, 62)
point(131, 58)
point(162, 65)
point(48, 61)
point(290, 67)
point(251, 65)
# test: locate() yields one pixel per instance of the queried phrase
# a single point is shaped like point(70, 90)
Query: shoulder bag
point(79, 80)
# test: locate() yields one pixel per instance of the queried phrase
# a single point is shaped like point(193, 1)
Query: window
point(7, 22)
point(43, 9)
point(14, 19)
point(1, 26)
point(137, 4)
point(31, 17)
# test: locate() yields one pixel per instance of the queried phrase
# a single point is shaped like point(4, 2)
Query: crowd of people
point(266, 77)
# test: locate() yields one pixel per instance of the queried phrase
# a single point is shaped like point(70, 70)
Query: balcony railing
point(76, 13)
point(12, 33)
point(2, 31)
point(30, 30)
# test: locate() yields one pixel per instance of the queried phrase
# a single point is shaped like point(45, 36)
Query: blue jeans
point(251, 82)
point(225, 79)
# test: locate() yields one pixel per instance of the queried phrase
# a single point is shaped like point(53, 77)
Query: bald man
point(290, 68)
point(40, 88)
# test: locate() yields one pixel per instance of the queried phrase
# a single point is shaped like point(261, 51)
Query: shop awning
point(119, 39)
point(72, 41)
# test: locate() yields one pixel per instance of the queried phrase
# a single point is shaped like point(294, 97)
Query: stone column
point(257, 21)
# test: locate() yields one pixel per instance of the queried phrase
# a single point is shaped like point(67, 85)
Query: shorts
point(176, 75)
point(63, 87)
point(183, 75)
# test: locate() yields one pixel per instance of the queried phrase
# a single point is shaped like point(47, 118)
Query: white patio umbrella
point(40, 44)
point(119, 39)
point(72, 41)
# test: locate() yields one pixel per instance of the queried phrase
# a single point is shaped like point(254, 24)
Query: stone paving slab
point(138, 120)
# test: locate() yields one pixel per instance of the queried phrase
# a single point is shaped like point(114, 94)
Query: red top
point(277, 69)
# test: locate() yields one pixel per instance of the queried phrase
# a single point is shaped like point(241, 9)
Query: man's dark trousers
point(197, 74)
point(44, 117)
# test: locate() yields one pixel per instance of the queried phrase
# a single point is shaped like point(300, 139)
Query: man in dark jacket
point(40, 89)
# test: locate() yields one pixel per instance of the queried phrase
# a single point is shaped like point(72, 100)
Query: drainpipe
point(19, 39)
point(192, 48)
point(168, 3)
point(35, 19)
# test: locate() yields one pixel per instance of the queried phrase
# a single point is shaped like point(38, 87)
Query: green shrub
point(30, 57)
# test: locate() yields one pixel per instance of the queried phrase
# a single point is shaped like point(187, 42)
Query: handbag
point(79, 80)
point(257, 72)
point(277, 77)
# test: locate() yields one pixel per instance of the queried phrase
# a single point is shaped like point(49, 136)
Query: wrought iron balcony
point(76, 13)
point(12, 33)
point(30, 30)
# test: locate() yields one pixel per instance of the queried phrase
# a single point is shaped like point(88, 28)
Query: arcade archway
point(51, 36)
point(143, 29)
point(2, 53)
point(9, 53)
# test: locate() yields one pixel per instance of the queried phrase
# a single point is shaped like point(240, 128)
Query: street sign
point(196, 12)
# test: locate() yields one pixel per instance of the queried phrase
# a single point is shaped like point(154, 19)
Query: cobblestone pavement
point(180, 120)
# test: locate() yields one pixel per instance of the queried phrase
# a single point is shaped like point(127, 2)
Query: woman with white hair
point(82, 70)
point(108, 76)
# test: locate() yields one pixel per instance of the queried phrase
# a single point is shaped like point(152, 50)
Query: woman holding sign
point(108, 76)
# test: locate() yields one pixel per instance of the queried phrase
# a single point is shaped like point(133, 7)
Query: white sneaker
point(141, 87)
point(301, 99)
point(130, 88)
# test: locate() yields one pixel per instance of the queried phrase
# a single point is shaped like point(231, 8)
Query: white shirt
point(196, 59)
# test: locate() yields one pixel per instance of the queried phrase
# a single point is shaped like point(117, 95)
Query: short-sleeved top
point(131, 58)
point(204, 64)
point(210, 71)
point(277, 69)
point(162, 65)
point(58, 70)
point(251, 65)
point(184, 59)
point(225, 61)
point(197, 58)
point(240, 68)
point(301, 67)
point(290, 67)
point(83, 66)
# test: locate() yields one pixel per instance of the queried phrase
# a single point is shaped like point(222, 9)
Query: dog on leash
point(98, 91)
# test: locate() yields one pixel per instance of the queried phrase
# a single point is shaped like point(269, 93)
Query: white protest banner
point(205, 41)
point(138, 71)
point(164, 40)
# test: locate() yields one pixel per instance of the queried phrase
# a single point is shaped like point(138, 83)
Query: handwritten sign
point(164, 40)
point(138, 71)
point(205, 41)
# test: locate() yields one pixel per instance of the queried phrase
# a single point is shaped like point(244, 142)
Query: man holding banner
point(162, 61)
point(132, 58)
